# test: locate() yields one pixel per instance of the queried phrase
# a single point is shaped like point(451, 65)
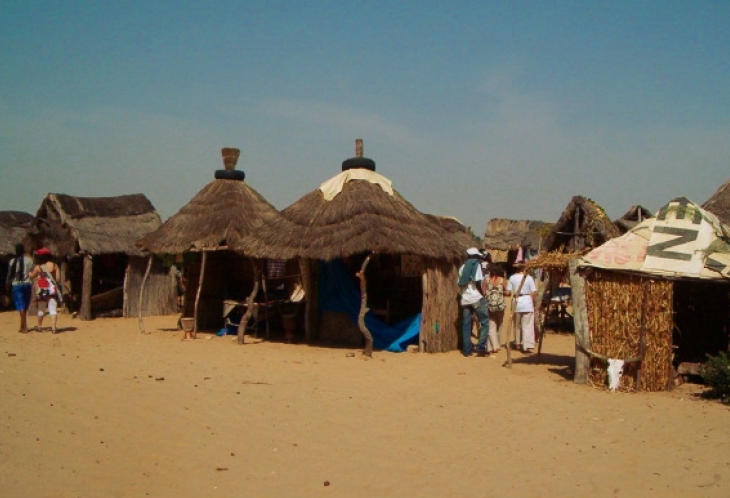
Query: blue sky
point(475, 109)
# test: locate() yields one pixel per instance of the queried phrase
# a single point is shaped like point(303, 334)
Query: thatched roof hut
point(719, 203)
point(504, 237)
point(226, 214)
point(583, 225)
point(356, 216)
point(660, 300)
point(13, 228)
point(95, 238)
point(222, 226)
point(635, 215)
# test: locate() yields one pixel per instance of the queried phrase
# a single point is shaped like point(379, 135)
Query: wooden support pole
point(580, 321)
point(85, 312)
point(197, 293)
point(424, 300)
point(364, 308)
point(140, 321)
point(304, 269)
point(250, 302)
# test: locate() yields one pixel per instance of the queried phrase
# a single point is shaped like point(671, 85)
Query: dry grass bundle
point(623, 310)
point(552, 260)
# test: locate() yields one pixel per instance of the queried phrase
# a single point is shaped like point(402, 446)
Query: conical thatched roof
point(358, 211)
point(504, 235)
point(225, 214)
point(594, 227)
point(635, 215)
point(719, 203)
point(13, 229)
point(70, 225)
point(364, 218)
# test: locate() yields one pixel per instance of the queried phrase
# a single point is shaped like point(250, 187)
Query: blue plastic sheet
point(339, 292)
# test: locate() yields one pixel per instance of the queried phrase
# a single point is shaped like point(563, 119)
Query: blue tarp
point(338, 292)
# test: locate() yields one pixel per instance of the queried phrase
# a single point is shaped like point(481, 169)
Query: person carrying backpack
point(46, 274)
point(473, 303)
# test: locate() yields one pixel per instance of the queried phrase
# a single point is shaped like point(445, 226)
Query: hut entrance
point(701, 320)
point(395, 299)
point(108, 272)
point(227, 282)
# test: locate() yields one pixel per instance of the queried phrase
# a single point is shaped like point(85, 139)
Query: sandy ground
point(101, 410)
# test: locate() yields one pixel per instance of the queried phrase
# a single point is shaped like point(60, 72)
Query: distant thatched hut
point(357, 216)
point(719, 203)
point(13, 229)
point(582, 226)
point(635, 215)
point(219, 228)
point(504, 238)
point(94, 237)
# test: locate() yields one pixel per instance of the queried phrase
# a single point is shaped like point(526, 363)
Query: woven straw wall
point(615, 304)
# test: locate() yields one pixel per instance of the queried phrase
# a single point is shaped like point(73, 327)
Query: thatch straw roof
point(719, 203)
point(595, 227)
point(70, 225)
point(504, 235)
point(635, 215)
point(461, 234)
point(227, 214)
point(13, 229)
point(363, 217)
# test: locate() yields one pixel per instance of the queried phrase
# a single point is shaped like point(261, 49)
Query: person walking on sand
point(46, 274)
point(495, 289)
point(19, 283)
point(524, 294)
point(473, 303)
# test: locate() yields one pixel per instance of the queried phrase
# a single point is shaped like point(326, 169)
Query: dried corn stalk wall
point(615, 303)
point(440, 312)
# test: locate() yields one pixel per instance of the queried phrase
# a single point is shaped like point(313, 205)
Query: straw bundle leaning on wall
point(615, 304)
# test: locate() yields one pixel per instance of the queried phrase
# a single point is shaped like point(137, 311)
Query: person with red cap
point(46, 274)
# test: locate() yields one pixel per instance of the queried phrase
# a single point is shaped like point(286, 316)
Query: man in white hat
point(473, 303)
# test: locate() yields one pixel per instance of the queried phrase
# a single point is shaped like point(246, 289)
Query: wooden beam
point(197, 293)
point(85, 312)
point(140, 321)
point(580, 323)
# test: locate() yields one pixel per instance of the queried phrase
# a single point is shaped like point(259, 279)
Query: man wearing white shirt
point(524, 309)
point(473, 303)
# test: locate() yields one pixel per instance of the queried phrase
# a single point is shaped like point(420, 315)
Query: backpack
point(46, 286)
point(495, 298)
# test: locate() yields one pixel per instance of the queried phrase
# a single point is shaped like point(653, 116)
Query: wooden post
point(359, 148)
point(250, 302)
point(580, 321)
point(424, 300)
point(197, 293)
point(140, 321)
point(304, 271)
point(364, 308)
point(85, 312)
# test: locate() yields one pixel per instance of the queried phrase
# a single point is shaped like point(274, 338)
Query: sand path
point(104, 411)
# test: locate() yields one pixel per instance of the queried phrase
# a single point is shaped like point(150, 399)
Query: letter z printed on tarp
point(683, 236)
